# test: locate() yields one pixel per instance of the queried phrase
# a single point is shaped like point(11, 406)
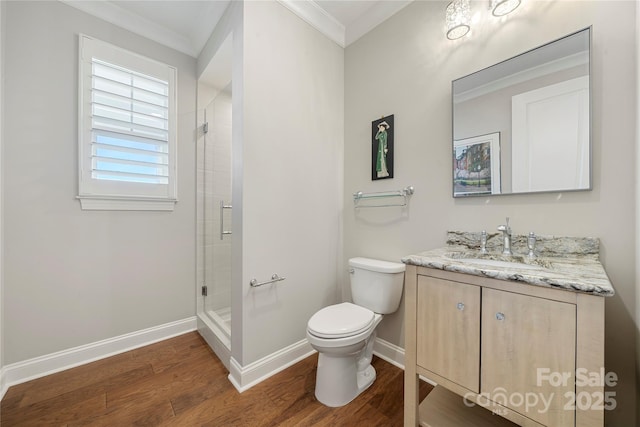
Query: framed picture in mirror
point(476, 165)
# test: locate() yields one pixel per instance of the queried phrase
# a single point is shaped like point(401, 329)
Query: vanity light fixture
point(503, 7)
point(458, 18)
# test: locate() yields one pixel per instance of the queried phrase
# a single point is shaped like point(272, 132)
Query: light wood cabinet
point(509, 347)
point(449, 323)
point(521, 334)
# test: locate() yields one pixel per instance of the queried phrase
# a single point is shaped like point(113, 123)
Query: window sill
point(98, 203)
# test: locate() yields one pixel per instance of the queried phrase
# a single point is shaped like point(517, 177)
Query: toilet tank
point(375, 284)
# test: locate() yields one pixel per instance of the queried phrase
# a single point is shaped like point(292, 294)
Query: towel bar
point(404, 193)
point(275, 278)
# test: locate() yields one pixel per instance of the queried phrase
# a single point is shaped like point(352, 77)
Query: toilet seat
point(340, 321)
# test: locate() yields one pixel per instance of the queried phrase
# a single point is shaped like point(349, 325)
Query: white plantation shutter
point(127, 128)
point(129, 122)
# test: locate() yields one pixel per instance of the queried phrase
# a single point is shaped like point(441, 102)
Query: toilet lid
point(340, 320)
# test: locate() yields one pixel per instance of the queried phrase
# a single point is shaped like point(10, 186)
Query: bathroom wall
point(405, 67)
point(637, 169)
point(292, 180)
point(637, 234)
point(74, 277)
point(2, 38)
point(288, 133)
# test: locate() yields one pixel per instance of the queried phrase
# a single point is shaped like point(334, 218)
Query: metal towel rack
point(404, 194)
point(222, 208)
point(275, 278)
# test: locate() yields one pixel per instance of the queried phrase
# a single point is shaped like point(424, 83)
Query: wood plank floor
point(181, 382)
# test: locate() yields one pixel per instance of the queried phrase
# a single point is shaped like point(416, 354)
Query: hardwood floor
point(181, 382)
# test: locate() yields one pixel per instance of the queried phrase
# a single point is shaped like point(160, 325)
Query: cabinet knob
point(500, 316)
point(460, 306)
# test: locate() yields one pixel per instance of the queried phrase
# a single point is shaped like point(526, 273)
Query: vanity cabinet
point(449, 340)
point(521, 334)
point(509, 347)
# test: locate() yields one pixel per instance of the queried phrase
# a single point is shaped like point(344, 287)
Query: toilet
point(344, 334)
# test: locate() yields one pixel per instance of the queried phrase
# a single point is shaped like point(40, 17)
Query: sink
point(494, 260)
point(498, 263)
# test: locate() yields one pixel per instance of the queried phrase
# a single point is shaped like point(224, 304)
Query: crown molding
point(373, 17)
point(310, 12)
point(202, 30)
point(116, 15)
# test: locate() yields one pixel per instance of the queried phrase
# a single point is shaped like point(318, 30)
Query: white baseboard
point(389, 352)
point(3, 383)
point(20, 372)
point(245, 377)
point(394, 355)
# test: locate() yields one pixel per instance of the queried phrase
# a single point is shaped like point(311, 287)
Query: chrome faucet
point(531, 245)
point(506, 238)
point(483, 242)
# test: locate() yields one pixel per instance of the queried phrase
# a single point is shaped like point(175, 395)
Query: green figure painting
point(382, 148)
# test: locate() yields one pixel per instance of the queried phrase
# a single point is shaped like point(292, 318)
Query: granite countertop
point(565, 263)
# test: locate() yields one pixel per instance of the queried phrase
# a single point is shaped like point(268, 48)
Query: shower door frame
point(211, 326)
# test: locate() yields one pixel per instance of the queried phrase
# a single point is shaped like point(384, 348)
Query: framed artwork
point(476, 165)
point(382, 148)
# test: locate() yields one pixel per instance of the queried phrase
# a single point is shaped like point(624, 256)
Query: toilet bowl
point(340, 378)
point(344, 334)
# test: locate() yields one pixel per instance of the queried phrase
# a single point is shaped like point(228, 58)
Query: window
point(127, 135)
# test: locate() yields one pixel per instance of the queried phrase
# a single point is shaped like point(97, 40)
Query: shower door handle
point(222, 208)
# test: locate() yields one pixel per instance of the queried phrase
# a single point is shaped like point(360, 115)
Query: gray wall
point(292, 176)
point(637, 193)
point(2, 39)
point(74, 277)
point(405, 67)
point(288, 133)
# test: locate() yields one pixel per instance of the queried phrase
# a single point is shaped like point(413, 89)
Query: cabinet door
point(528, 355)
point(448, 330)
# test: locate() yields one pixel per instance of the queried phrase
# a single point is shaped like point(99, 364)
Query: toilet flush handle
point(352, 270)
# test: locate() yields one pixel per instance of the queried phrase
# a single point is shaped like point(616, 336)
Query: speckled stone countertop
point(566, 263)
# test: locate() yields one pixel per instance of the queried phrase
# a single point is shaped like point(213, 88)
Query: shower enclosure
point(214, 214)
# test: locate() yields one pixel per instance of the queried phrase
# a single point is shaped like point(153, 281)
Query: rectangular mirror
point(523, 125)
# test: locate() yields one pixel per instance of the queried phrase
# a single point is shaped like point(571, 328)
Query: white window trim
point(110, 195)
point(106, 203)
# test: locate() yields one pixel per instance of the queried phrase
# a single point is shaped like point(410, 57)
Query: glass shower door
point(217, 218)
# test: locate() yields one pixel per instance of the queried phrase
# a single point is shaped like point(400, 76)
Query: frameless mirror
point(523, 125)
